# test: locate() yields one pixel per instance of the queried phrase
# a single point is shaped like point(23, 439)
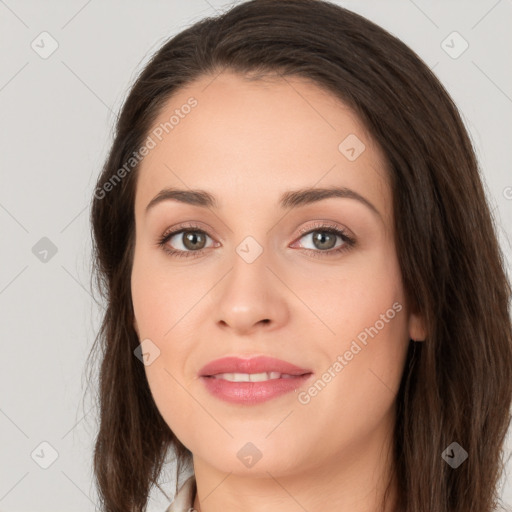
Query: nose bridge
point(254, 243)
point(249, 273)
point(249, 235)
point(253, 246)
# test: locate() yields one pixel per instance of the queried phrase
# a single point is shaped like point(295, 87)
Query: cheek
point(365, 293)
point(364, 337)
point(160, 296)
point(164, 312)
point(158, 309)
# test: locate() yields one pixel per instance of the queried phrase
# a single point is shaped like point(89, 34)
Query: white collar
point(184, 499)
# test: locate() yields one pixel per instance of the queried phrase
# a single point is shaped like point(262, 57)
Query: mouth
point(259, 367)
point(252, 381)
point(253, 377)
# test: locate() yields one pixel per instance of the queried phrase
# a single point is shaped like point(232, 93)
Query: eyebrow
point(288, 200)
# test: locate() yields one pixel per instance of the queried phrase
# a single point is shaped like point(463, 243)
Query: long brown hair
point(457, 385)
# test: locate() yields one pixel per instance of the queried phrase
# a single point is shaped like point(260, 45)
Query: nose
point(251, 298)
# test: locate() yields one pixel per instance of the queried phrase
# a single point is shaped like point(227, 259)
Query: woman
point(306, 300)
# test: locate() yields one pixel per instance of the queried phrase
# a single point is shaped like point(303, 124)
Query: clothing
point(184, 499)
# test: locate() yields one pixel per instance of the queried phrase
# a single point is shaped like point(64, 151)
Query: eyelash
point(322, 227)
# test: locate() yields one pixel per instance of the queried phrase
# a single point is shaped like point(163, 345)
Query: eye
point(190, 241)
point(323, 238)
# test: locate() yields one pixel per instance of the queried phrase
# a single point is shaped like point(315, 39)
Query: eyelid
point(184, 226)
point(196, 225)
point(324, 224)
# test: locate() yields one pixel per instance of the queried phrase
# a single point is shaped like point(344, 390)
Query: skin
point(247, 143)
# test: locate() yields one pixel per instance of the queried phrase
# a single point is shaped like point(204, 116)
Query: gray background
point(57, 119)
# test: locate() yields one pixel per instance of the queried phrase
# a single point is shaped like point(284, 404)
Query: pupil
point(321, 237)
point(191, 239)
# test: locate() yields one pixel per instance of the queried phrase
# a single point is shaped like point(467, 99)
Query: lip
point(252, 393)
point(233, 364)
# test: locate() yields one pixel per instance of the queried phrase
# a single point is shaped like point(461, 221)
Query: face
point(315, 283)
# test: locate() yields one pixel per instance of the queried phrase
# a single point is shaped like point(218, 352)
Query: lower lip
point(250, 393)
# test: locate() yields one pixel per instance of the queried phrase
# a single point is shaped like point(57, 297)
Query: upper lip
point(259, 364)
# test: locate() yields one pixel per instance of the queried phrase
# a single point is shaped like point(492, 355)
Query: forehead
point(249, 141)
